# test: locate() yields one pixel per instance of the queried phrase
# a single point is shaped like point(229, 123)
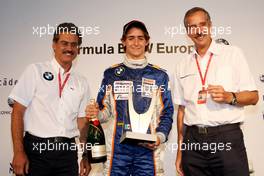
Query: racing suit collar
point(141, 63)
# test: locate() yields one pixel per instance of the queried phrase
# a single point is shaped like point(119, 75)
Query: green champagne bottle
point(96, 139)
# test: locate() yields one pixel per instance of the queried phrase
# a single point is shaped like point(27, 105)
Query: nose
point(136, 42)
point(198, 30)
point(69, 47)
point(203, 30)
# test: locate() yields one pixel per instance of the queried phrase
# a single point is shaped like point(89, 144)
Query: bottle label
point(98, 151)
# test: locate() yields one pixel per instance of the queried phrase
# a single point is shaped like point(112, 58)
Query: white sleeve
point(245, 78)
point(85, 99)
point(24, 90)
point(177, 91)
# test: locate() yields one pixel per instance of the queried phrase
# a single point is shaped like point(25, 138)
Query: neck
point(135, 58)
point(201, 50)
point(65, 66)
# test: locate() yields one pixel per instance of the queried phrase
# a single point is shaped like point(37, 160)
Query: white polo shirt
point(228, 68)
point(47, 114)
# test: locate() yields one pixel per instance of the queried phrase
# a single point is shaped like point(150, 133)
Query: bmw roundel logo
point(119, 71)
point(48, 76)
point(10, 102)
point(222, 41)
point(261, 77)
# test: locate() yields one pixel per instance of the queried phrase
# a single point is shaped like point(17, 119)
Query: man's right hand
point(92, 110)
point(178, 163)
point(85, 167)
point(20, 163)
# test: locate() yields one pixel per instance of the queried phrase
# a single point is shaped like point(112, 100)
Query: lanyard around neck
point(199, 69)
point(61, 86)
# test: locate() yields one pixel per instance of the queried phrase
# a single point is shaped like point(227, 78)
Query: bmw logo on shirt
point(48, 76)
point(119, 71)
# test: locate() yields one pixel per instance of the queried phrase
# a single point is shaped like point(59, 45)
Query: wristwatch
point(234, 99)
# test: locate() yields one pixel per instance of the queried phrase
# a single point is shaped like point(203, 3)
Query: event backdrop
point(26, 37)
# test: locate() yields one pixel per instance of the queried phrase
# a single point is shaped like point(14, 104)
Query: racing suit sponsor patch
point(121, 89)
point(148, 86)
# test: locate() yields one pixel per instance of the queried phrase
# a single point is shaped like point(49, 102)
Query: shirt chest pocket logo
point(189, 82)
point(187, 75)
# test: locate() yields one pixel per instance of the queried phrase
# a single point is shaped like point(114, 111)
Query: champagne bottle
point(96, 139)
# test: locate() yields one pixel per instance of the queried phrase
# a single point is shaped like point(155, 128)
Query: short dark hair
point(67, 28)
point(194, 10)
point(135, 24)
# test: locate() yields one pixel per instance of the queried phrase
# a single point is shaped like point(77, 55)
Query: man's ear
point(147, 43)
point(123, 42)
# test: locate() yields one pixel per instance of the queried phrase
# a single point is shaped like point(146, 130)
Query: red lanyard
point(199, 69)
point(64, 82)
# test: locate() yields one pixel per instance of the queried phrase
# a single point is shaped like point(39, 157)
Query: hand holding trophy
point(95, 135)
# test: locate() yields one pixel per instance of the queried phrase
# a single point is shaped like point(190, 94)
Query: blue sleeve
point(105, 100)
point(102, 93)
point(167, 109)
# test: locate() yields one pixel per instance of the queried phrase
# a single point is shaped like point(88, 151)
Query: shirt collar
point(213, 48)
point(58, 68)
point(135, 63)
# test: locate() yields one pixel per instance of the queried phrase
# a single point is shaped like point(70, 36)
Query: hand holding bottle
point(96, 151)
point(92, 109)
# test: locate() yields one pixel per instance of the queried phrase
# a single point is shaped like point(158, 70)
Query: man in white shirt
point(49, 106)
point(211, 88)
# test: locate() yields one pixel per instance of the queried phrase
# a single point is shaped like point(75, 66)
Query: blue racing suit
point(126, 159)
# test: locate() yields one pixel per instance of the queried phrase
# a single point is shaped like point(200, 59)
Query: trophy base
point(135, 138)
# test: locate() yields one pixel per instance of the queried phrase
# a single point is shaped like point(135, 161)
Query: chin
point(138, 56)
point(202, 43)
point(68, 59)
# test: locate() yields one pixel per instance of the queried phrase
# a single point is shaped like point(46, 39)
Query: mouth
point(200, 37)
point(68, 53)
point(137, 48)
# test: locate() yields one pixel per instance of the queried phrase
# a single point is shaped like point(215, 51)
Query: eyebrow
point(67, 41)
point(201, 23)
point(135, 35)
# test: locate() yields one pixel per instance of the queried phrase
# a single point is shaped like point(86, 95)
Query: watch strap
point(234, 99)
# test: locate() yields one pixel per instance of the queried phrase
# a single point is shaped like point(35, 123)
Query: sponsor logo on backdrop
point(5, 81)
point(5, 113)
point(261, 77)
point(11, 170)
point(10, 102)
point(159, 48)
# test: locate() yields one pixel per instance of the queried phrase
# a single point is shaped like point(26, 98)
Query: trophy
point(139, 123)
